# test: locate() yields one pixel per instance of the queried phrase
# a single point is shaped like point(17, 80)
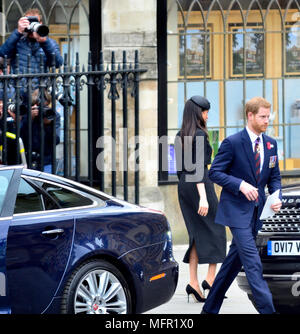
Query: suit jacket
point(235, 163)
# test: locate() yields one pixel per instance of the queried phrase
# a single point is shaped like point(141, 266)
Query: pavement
point(236, 303)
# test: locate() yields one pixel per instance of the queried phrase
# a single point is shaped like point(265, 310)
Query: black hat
point(201, 102)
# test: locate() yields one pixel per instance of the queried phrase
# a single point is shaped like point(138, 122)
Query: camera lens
point(42, 30)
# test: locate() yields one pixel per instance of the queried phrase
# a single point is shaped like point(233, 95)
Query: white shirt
point(253, 138)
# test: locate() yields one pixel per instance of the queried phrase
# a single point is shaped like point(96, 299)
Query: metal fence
point(93, 93)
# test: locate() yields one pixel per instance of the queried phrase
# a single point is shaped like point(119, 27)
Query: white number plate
point(283, 247)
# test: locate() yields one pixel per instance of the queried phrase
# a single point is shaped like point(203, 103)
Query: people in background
point(48, 116)
point(30, 43)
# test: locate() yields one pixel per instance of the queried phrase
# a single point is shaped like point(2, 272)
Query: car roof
point(74, 184)
point(71, 183)
point(52, 177)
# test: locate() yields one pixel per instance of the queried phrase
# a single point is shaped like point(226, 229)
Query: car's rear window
point(28, 199)
point(66, 198)
point(5, 177)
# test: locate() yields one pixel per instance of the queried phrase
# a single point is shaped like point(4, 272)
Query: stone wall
point(131, 25)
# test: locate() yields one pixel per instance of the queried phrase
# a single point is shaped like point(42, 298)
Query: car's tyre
point(96, 287)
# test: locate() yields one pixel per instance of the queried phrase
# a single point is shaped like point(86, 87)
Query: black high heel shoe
point(206, 286)
point(191, 291)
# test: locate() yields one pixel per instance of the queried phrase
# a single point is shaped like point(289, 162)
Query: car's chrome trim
point(286, 221)
point(4, 167)
point(294, 276)
point(5, 218)
point(78, 184)
point(60, 185)
point(54, 183)
point(54, 231)
point(95, 203)
point(52, 211)
point(277, 233)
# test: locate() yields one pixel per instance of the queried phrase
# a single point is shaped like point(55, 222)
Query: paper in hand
point(267, 212)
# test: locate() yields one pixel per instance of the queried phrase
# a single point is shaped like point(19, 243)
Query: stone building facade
point(166, 33)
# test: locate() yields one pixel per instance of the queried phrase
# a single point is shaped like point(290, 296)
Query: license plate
point(283, 247)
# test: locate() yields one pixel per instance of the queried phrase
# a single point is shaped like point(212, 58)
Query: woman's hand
point(203, 207)
point(203, 204)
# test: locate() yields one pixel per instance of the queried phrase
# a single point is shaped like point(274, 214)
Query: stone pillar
point(131, 25)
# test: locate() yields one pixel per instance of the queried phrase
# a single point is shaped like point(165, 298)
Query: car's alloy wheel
point(97, 287)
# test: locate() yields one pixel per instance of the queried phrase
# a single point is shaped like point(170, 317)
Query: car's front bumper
point(285, 289)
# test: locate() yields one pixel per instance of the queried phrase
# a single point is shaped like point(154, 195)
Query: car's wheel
point(96, 287)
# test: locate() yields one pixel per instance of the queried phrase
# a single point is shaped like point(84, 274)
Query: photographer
point(48, 117)
point(25, 40)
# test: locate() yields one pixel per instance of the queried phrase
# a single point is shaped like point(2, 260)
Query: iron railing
point(93, 92)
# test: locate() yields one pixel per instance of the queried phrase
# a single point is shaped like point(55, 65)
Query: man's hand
point(11, 114)
point(47, 121)
point(249, 191)
point(22, 24)
point(276, 206)
point(34, 111)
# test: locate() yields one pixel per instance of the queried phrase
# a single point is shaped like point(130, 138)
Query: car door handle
point(54, 231)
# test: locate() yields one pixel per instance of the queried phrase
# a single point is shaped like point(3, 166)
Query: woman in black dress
point(197, 197)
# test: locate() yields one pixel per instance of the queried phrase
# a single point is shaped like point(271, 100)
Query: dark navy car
point(68, 248)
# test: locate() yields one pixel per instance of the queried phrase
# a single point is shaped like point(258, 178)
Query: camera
point(48, 113)
point(36, 26)
point(11, 106)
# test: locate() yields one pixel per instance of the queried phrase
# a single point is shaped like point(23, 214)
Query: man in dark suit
point(246, 162)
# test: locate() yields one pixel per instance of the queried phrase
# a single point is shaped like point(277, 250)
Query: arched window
point(231, 51)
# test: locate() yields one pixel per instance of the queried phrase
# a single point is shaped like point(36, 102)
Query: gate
point(91, 104)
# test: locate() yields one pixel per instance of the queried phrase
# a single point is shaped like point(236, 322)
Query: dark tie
point(257, 159)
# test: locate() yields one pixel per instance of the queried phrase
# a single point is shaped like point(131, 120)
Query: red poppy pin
point(269, 145)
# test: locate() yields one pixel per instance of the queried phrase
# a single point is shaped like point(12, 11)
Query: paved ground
point(236, 303)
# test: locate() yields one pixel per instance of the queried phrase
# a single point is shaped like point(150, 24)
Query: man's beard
point(260, 128)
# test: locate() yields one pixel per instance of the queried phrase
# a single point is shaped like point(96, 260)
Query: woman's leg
point(193, 266)
point(211, 273)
